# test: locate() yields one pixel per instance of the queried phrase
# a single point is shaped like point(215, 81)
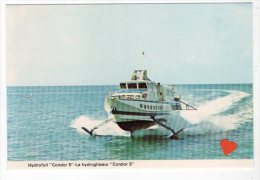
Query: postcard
point(132, 85)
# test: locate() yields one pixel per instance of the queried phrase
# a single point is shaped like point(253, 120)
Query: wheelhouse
point(134, 85)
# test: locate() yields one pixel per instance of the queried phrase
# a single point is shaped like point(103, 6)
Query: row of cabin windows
point(151, 107)
point(133, 85)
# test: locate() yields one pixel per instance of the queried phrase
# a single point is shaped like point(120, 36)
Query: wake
point(209, 118)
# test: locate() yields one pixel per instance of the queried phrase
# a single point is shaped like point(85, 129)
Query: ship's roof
point(138, 81)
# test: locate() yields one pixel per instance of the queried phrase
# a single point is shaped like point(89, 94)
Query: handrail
point(187, 105)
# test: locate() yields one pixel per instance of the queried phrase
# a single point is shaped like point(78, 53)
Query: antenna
point(143, 58)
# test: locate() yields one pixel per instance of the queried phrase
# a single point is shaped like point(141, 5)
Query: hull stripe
point(139, 113)
point(147, 101)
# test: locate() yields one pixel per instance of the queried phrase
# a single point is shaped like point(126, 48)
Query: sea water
point(44, 123)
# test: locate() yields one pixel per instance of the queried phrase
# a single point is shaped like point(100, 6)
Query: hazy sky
point(102, 44)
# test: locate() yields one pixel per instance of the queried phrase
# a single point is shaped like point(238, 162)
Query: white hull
point(141, 103)
point(129, 110)
point(131, 115)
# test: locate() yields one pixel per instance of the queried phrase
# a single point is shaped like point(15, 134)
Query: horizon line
point(118, 85)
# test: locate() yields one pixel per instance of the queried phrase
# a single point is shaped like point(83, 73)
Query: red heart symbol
point(228, 146)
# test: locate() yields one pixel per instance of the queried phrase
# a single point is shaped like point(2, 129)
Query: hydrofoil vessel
point(141, 103)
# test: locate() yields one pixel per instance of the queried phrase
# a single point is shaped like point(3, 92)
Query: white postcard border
point(216, 173)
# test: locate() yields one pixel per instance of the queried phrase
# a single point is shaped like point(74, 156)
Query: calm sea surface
point(44, 123)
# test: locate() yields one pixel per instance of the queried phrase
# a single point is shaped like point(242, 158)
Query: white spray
point(206, 119)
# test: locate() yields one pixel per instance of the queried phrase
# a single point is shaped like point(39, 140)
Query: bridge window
point(123, 85)
point(142, 85)
point(141, 105)
point(144, 106)
point(132, 86)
